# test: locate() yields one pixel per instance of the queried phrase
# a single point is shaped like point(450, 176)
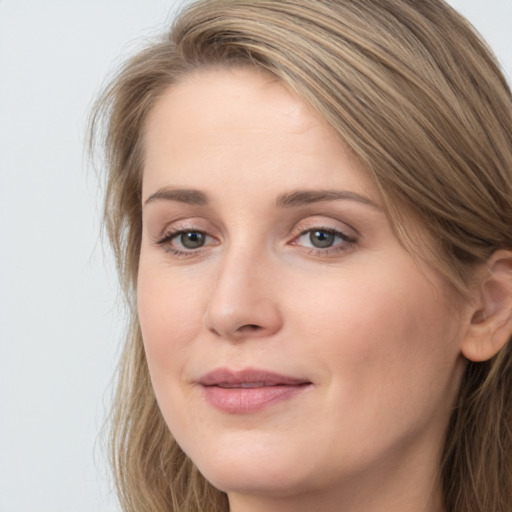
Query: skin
point(373, 330)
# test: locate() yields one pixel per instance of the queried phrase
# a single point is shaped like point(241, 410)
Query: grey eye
point(192, 239)
point(321, 239)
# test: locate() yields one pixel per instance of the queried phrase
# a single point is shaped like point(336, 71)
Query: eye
point(183, 242)
point(321, 238)
point(324, 240)
point(190, 239)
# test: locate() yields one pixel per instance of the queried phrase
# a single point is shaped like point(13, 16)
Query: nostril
point(247, 328)
point(250, 327)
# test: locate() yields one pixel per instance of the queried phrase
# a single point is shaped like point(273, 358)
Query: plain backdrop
point(60, 321)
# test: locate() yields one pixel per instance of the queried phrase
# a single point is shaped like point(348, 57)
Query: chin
point(261, 480)
point(266, 473)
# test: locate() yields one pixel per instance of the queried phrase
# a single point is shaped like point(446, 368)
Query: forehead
point(224, 95)
point(243, 123)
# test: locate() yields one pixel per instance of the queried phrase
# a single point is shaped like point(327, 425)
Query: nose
point(243, 303)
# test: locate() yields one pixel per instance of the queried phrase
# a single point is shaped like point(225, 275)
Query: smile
point(246, 391)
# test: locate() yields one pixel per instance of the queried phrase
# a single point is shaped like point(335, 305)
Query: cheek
point(381, 333)
point(392, 309)
point(170, 316)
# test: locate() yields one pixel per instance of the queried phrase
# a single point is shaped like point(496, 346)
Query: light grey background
point(60, 324)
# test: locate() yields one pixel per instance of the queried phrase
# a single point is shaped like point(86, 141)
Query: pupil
point(192, 240)
point(321, 239)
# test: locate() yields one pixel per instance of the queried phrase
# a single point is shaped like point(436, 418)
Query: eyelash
point(347, 242)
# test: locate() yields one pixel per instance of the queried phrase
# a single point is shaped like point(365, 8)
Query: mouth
point(245, 391)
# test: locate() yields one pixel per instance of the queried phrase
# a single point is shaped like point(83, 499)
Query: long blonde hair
point(418, 96)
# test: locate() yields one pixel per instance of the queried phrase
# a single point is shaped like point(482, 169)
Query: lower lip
point(246, 400)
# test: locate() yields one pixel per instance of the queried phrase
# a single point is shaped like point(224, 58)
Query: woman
point(310, 203)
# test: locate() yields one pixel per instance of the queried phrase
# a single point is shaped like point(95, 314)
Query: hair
point(417, 95)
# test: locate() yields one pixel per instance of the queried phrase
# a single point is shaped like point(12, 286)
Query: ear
point(491, 324)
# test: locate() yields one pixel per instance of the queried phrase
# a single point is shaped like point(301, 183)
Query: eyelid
point(327, 224)
point(181, 224)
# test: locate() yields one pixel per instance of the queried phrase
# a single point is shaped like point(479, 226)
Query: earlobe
point(491, 324)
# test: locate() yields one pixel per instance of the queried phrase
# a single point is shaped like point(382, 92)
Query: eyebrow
point(287, 200)
point(305, 197)
point(194, 197)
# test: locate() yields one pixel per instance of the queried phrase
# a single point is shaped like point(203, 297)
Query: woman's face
point(293, 344)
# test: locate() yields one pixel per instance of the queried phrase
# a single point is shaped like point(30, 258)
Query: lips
point(245, 391)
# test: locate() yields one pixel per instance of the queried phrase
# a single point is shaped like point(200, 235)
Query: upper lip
point(249, 377)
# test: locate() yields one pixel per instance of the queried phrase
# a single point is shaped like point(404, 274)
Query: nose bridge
point(242, 302)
